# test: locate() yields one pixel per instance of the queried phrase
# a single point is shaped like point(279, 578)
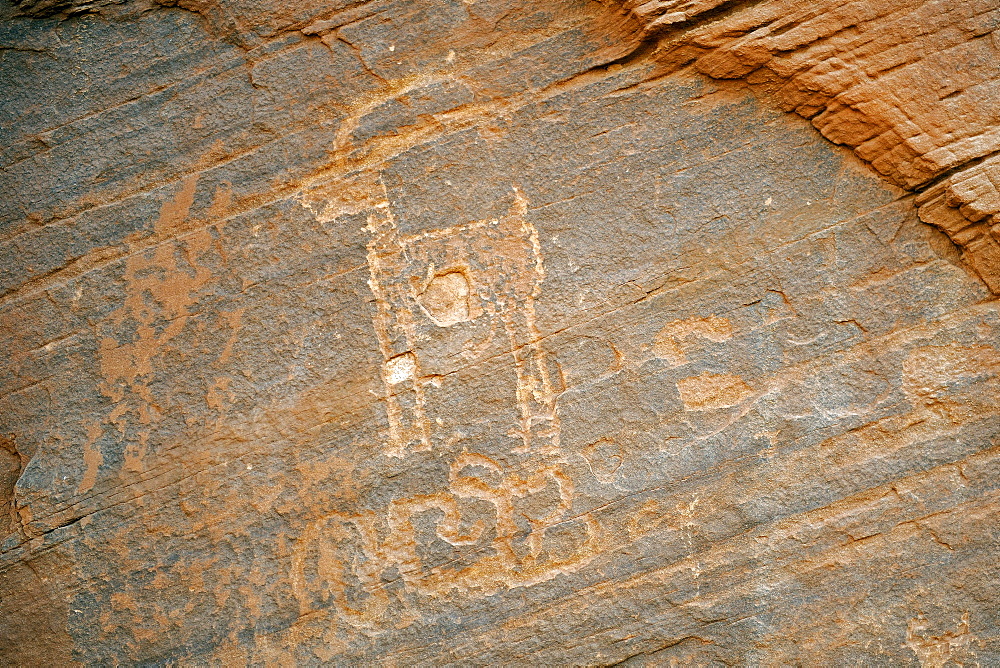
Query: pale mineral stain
point(710, 391)
point(400, 368)
point(92, 458)
point(175, 211)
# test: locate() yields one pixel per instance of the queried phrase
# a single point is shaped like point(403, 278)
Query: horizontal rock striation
point(433, 332)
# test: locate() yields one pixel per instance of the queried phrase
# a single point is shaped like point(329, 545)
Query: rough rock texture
point(420, 332)
point(912, 86)
point(966, 206)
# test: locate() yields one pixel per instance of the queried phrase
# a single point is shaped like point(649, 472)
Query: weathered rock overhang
point(912, 87)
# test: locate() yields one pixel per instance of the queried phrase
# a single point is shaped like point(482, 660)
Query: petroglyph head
point(446, 299)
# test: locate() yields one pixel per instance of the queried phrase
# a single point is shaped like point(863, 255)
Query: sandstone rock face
point(423, 332)
point(910, 85)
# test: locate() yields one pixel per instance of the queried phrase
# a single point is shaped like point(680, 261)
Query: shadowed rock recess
point(455, 332)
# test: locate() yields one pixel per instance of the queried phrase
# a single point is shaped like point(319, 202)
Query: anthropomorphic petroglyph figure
point(446, 300)
point(489, 271)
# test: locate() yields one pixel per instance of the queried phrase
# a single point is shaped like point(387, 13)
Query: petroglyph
point(622, 364)
point(359, 552)
point(162, 289)
point(934, 375)
point(673, 339)
point(488, 270)
point(937, 651)
point(447, 299)
point(604, 457)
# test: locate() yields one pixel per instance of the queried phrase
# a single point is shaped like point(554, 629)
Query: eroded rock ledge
point(911, 85)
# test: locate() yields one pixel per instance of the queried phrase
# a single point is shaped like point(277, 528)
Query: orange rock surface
point(434, 332)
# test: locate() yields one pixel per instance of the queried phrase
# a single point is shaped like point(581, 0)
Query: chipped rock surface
point(911, 85)
point(434, 332)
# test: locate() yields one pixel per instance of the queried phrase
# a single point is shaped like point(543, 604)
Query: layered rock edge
point(888, 78)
